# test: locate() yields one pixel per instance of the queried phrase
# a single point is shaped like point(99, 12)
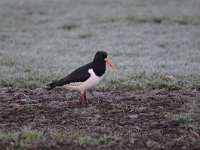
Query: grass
point(69, 26)
point(159, 82)
point(66, 98)
point(86, 36)
point(32, 78)
point(21, 139)
point(7, 62)
point(106, 20)
point(187, 21)
point(135, 42)
point(29, 79)
point(153, 144)
point(136, 19)
point(189, 115)
point(81, 138)
point(155, 20)
point(28, 136)
point(141, 81)
point(181, 119)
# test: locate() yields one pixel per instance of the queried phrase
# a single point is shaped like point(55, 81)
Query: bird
point(85, 77)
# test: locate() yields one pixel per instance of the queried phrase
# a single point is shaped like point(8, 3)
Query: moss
point(85, 36)
point(81, 138)
point(21, 139)
point(69, 26)
point(181, 119)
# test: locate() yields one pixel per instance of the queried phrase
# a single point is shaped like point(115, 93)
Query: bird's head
point(101, 56)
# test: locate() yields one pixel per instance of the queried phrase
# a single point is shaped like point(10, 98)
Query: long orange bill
point(109, 63)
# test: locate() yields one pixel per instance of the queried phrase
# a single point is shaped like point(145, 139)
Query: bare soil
point(136, 120)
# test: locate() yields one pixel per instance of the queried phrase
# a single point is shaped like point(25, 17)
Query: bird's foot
point(84, 104)
point(83, 100)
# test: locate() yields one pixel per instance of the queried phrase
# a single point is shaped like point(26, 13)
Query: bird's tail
point(55, 84)
point(50, 86)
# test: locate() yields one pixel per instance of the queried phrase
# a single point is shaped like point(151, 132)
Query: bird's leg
point(87, 103)
point(82, 98)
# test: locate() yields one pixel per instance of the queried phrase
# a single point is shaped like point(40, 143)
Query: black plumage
point(81, 74)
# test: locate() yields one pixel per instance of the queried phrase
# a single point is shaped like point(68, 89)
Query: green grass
point(6, 61)
point(31, 78)
point(136, 19)
point(135, 42)
point(159, 82)
point(69, 26)
point(81, 138)
point(187, 21)
point(107, 20)
point(141, 81)
point(181, 119)
point(86, 36)
point(28, 136)
point(66, 98)
point(155, 20)
point(153, 144)
point(22, 139)
point(189, 115)
point(189, 118)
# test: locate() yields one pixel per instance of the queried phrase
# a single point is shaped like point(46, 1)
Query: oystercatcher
point(85, 77)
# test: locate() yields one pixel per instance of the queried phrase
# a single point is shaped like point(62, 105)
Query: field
point(150, 101)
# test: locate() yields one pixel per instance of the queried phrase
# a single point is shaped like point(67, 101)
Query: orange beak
point(109, 63)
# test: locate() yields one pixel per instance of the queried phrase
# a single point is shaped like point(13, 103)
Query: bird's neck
point(99, 68)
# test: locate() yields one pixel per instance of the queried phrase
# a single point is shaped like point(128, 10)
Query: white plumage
point(91, 82)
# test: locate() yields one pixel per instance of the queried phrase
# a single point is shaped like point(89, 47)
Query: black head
point(100, 56)
point(99, 63)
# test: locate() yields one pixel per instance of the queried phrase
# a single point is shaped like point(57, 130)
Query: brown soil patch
point(136, 120)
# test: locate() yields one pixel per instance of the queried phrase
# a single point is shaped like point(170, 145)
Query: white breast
point(88, 84)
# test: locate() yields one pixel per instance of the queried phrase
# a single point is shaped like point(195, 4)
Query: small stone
point(39, 91)
point(142, 108)
point(132, 140)
point(18, 96)
point(97, 116)
point(14, 105)
point(24, 101)
point(53, 104)
point(170, 78)
point(133, 116)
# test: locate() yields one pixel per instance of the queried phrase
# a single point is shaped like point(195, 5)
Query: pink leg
point(83, 100)
point(87, 103)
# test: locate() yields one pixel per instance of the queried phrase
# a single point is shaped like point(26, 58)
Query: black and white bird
point(85, 77)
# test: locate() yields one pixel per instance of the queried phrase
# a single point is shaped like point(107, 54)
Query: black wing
point(79, 75)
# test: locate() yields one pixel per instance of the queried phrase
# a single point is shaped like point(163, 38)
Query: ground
point(151, 99)
point(122, 119)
